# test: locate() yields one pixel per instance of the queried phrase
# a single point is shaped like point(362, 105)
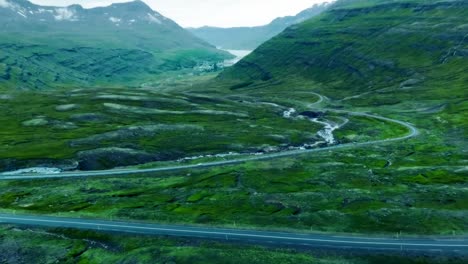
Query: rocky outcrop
point(312, 114)
point(108, 158)
point(89, 117)
point(131, 132)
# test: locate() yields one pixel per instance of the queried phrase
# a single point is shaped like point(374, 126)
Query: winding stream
point(412, 132)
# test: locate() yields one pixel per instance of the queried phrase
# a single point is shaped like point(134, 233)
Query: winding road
point(413, 131)
point(425, 245)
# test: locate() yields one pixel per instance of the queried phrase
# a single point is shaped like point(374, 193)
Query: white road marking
point(98, 225)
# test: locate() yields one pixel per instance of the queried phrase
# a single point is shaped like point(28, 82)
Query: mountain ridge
point(123, 44)
point(248, 38)
point(336, 50)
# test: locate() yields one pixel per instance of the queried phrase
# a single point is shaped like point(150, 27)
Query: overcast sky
point(221, 13)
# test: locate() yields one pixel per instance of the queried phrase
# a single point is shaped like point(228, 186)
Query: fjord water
point(350, 122)
point(240, 54)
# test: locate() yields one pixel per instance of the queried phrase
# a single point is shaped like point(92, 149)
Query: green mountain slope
point(249, 38)
point(122, 44)
point(364, 46)
point(405, 60)
point(402, 59)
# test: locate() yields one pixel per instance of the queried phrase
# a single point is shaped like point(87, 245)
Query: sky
point(220, 13)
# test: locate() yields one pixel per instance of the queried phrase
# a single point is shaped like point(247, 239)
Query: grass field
point(26, 245)
point(384, 188)
point(413, 70)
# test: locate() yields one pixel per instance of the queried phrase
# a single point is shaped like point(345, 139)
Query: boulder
point(89, 117)
point(312, 114)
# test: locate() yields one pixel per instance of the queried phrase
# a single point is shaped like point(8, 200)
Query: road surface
point(423, 245)
point(413, 131)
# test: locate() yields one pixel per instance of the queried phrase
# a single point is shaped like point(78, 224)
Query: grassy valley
point(404, 60)
point(68, 128)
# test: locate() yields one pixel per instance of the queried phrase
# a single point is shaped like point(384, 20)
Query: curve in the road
point(425, 245)
point(413, 131)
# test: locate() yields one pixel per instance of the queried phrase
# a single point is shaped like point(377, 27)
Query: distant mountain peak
point(136, 5)
point(119, 14)
point(249, 38)
point(62, 45)
point(132, 12)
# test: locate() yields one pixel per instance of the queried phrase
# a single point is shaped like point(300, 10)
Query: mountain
point(248, 38)
point(364, 46)
point(119, 45)
point(403, 59)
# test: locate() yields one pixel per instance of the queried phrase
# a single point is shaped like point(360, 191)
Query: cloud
point(152, 18)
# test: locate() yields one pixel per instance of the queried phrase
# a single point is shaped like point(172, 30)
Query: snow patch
point(64, 13)
point(6, 4)
point(13, 6)
point(152, 18)
point(42, 11)
point(115, 20)
point(21, 14)
point(35, 170)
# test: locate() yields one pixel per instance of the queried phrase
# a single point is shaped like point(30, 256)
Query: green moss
point(198, 196)
point(71, 246)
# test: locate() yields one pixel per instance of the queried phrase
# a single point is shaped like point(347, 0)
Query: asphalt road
point(425, 245)
point(413, 131)
point(422, 245)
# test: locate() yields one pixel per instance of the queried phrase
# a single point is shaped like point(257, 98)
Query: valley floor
point(377, 178)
